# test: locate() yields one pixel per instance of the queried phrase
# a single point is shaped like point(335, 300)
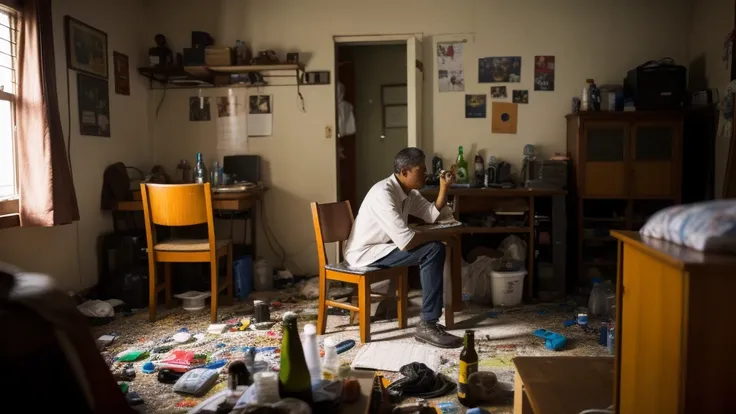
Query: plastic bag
point(476, 278)
point(514, 248)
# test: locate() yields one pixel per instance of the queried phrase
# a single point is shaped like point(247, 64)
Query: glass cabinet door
point(653, 153)
point(604, 153)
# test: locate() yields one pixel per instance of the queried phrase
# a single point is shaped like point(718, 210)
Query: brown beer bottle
point(468, 365)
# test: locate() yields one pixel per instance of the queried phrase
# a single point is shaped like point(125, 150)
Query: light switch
point(328, 131)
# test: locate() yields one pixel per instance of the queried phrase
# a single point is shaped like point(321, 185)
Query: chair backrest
point(177, 204)
point(332, 223)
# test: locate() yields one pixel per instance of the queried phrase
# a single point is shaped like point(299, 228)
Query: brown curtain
point(47, 196)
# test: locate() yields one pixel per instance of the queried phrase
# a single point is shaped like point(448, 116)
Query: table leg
point(448, 286)
point(457, 269)
point(521, 401)
point(530, 259)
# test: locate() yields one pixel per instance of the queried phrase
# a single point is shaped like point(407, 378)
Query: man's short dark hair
point(408, 158)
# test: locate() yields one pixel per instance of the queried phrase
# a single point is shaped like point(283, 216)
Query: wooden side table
point(561, 384)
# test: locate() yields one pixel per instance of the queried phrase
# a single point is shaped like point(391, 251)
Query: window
point(8, 89)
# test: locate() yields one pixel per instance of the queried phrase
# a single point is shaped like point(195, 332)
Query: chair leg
point(364, 303)
point(215, 290)
point(402, 293)
point(152, 290)
point(321, 305)
point(167, 286)
point(229, 268)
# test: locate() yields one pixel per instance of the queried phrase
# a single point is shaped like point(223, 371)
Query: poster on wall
point(260, 116)
point(93, 100)
point(499, 92)
point(199, 108)
point(544, 73)
point(86, 48)
point(231, 126)
point(450, 67)
point(122, 75)
point(475, 106)
point(520, 96)
point(499, 69)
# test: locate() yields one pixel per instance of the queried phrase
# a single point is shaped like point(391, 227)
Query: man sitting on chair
point(381, 237)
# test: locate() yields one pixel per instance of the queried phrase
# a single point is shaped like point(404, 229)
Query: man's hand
point(446, 180)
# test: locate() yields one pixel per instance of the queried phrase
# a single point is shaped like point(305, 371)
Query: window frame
point(9, 205)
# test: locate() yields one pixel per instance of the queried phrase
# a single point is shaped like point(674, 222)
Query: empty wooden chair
point(183, 205)
point(333, 223)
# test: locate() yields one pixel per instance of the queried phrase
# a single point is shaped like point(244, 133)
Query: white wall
point(376, 66)
point(712, 20)
point(598, 39)
point(68, 252)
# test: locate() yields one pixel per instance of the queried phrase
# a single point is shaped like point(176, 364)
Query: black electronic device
point(242, 167)
point(200, 40)
point(657, 85)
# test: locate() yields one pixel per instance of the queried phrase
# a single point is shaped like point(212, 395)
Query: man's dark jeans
point(430, 258)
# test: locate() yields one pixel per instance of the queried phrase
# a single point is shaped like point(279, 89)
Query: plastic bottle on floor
point(331, 362)
point(311, 353)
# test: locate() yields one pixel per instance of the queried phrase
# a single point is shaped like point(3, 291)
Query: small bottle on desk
point(200, 171)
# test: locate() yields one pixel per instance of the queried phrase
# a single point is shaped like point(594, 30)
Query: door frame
point(361, 40)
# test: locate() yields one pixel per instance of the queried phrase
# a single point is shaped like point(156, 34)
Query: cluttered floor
point(500, 336)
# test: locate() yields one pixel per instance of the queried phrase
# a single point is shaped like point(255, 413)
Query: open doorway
point(378, 108)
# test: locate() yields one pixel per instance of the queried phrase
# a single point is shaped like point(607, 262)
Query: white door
point(414, 82)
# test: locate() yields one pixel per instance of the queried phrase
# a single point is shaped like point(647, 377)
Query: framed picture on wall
point(93, 98)
point(121, 72)
point(86, 48)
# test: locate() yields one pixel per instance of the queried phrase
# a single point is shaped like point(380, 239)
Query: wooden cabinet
point(633, 155)
point(673, 353)
point(625, 167)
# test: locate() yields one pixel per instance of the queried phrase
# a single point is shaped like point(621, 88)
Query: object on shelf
point(160, 55)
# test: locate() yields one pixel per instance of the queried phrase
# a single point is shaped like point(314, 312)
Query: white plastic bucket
point(507, 287)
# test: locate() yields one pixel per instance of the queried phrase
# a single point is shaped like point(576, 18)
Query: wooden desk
point(240, 201)
point(479, 200)
point(674, 349)
point(561, 384)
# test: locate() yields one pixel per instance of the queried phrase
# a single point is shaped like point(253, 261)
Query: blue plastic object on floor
point(345, 346)
point(243, 276)
point(148, 368)
point(552, 340)
point(477, 410)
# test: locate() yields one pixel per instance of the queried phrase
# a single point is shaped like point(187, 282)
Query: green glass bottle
point(468, 365)
point(461, 167)
point(294, 380)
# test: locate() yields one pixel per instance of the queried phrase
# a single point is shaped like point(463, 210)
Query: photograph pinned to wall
point(231, 125)
point(520, 96)
point(93, 100)
point(475, 106)
point(450, 71)
point(199, 108)
point(86, 48)
point(227, 106)
point(544, 73)
point(499, 69)
point(499, 92)
point(121, 72)
point(504, 119)
point(260, 116)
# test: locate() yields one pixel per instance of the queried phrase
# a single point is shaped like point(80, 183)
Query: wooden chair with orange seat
point(333, 223)
point(178, 205)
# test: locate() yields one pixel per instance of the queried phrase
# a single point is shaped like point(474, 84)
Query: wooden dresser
point(675, 346)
